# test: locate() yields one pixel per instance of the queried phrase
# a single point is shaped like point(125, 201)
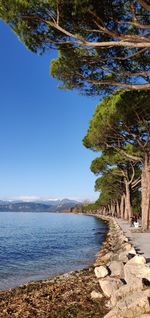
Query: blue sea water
point(39, 245)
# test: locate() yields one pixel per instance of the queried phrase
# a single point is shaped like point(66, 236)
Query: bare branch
point(134, 158)
point(131, 55)
point(144, 4)
point(136, 182)
point(127, 57)
point(142, 43)
point(136, 24)
point(124, 85)
point(116, 35)
point(133, 173)
point(132, 7)
point(57, 12)
point(143, 74)
point(136, 41)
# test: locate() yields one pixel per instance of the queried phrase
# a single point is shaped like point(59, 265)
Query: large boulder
point(132, 251)
point(109, 285)
point(137, 259)
point(123, 256)
point(101, 271)
point(131, 306)
point(134, 272)
point(117, 268)
point(126, 290)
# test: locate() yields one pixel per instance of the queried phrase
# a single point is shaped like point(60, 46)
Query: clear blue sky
point(41, 128)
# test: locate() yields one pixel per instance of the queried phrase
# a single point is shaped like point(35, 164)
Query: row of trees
point(120, 131)
point(102, 45)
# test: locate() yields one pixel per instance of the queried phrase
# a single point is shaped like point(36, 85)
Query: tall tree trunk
point(118, 209)
point(128, 206)
point(126, 215)
point(113, 209)
point(146, 192)
point(104, 211)
point(122, 205)
point(109, 209)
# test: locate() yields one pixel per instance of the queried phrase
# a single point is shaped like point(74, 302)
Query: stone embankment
point(123, 276)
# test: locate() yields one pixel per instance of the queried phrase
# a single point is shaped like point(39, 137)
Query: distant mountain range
point(37, 206)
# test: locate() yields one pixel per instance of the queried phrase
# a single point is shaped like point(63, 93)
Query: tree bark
point(122, 206)
point(128, 206)
point(104, 211)
point(145, 182)
point(113, 209)
point(118, 209)
point(126, 216)
point(109, 209)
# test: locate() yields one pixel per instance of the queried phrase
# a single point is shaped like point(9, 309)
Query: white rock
point(101, 271)
point(126, 290)
point(116, 268)
point(132, 251)
point(122, 256)
point(132, 306)
point(96, 295)
point(109, 285)
point(137, 259)
point(133, 271)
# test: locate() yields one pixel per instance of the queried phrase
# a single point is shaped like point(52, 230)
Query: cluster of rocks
point(123, 276)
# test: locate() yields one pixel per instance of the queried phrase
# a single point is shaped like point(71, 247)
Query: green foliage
point(121, 123)
point(108, 159)
point(90, 207)
point(110, 185)
point(98, 165)
point(68, 25)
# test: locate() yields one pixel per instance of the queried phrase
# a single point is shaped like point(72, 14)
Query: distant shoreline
point(37, 206)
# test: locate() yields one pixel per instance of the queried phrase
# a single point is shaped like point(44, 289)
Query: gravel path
point(141, 241)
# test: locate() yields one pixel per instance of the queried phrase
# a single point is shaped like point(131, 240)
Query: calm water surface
point(38, 245)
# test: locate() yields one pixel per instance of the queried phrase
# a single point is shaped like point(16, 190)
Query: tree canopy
point(120, 129)
point(102, 44)
point(121, 122)
point(110, 187)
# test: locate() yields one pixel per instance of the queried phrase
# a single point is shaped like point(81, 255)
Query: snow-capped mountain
point(37, 206)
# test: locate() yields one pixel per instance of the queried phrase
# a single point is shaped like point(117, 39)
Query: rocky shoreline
point(65, 296)
point(116, 286)
point(123, 275)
